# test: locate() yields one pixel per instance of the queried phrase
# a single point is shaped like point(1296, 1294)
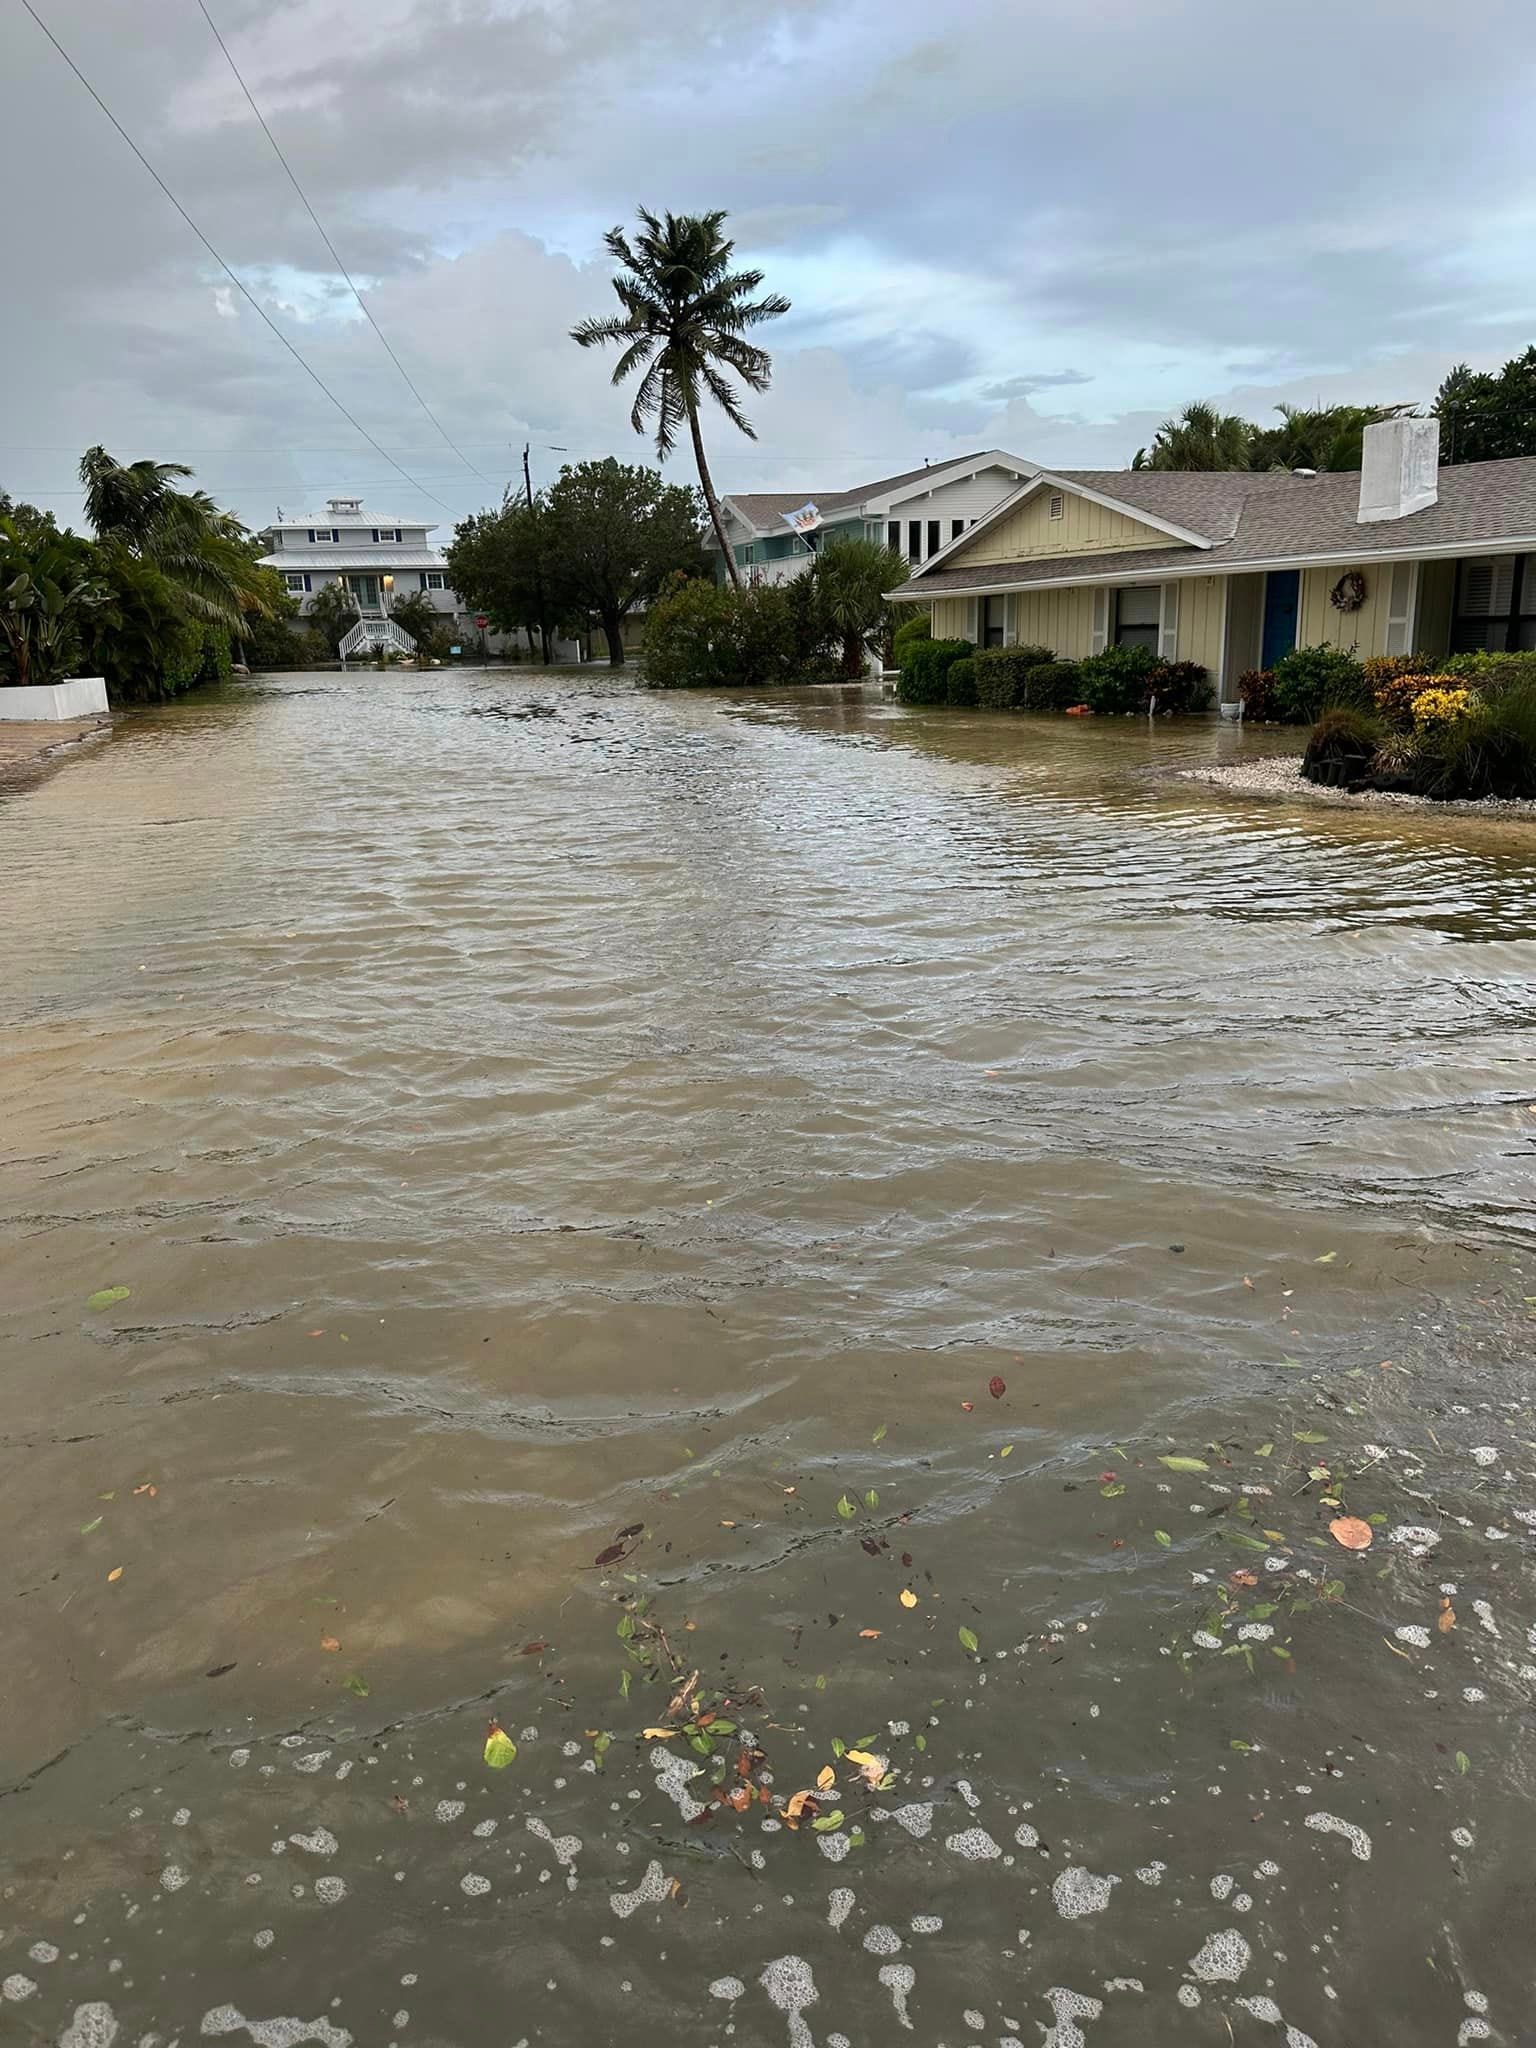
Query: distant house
point(918, 513)
point(1232, 568)
point(379, 560)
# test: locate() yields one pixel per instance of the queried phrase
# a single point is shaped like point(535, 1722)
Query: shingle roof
point(764, 508)
point(1268, 517)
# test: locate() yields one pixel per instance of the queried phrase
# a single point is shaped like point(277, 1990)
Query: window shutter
point(1010, 623)
point(308, 582)
point(1400, 595)
point(973, 621)
point(1099, 636)
point(1168, 624)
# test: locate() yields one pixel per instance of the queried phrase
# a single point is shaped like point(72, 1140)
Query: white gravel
point(1280, 775)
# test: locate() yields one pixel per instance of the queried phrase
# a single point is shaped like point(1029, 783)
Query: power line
point(307, 367)
point(331, 246)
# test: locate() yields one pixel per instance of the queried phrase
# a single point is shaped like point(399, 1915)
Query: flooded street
point(534, 1203)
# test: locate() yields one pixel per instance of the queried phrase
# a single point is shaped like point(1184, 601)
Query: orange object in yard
point(1078, 711)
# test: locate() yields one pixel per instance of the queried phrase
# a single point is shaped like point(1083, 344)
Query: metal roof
point(356, 561)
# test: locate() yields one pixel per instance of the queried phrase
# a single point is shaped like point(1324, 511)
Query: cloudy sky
point(1031, 224)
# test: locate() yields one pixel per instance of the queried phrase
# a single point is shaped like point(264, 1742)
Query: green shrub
point(1311, 680)
point(962, 681)
point(1118, 680)
point(925, 667)
point(1002, 675)
point(1491, 751)
point(1053, 686)
point(918, 625)
point(1180, 687)
point(1491, 673)
point(1342, 747)
point(702, 635)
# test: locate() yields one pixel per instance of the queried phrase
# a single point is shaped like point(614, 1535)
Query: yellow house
point(1232, 568)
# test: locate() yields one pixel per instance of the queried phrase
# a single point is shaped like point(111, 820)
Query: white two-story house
point(379, 560)
point(918, 513)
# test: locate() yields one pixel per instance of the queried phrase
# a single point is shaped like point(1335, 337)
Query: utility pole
point(538, 559)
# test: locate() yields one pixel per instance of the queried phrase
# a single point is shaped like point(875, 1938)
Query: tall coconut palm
point(201, 549)
point(685, 319)
point(1199, 438)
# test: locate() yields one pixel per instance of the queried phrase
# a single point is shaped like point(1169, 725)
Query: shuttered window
point(1138, 616)
point(1495, 604)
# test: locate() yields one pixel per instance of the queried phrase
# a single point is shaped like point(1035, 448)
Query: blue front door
point(1282, 598)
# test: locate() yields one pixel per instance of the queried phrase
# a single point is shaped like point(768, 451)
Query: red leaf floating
point(997, 1387)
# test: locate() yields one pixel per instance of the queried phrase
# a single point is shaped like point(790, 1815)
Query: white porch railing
point(369, 635)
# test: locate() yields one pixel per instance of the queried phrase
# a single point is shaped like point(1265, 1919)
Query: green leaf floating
point(107, 1297)
point(968, 1640)
point(499, 1747)
point(1185, 1464)
point(846, 1509)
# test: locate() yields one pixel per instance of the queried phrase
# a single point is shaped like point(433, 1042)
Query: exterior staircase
point(369, 635)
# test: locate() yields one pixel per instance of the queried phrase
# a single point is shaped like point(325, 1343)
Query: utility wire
point(331, 246)
point(254, 303)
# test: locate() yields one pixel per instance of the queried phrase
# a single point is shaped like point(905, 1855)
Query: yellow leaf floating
point(862, 1757)
point(908, 1597)
point(826, 1778)
point(659, 1734)
point(500, 1749)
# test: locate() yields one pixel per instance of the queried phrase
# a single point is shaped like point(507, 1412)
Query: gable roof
point(763, 510)
point(1258, 519)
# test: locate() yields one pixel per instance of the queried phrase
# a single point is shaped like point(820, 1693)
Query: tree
point(420, 617)
point(48, 590)
point(141, 640)
point(854, 576)
point(203, 551)
point(1198, 438)
point(684, 325)
point(1488, 416)
point(333, 613)
point(497, 563)
point(615, 533)
point(1327, 437)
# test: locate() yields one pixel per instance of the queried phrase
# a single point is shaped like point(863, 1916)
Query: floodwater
point(515, 1192)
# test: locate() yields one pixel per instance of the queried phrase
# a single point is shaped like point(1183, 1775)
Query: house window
point(323, 534)
point(296, 581)
point(993, 613)
point(893, 535)
point(1058, 505)
point(1138, 615)
point(1495, 604)
point(956, 528)
point(914, 540)
point(387, 534)
point(934, 543)
point(434, 580)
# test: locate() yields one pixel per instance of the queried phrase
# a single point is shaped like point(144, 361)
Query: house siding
point(1083, 529)
point(1059, 619)
point(1320, 623)
point(1202, 604)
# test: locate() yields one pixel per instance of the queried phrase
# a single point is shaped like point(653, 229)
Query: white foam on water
point(319, 1842)
point(962, 1786)
point(316, 1760)
point(650, 1891)
point(1068, 2008)
point(1414, 1536)
point(1263, 2009)
point(839, 1905)
point(1472, 2030)
point(238, 1759)
point(17, 1988)
point(1484, 1613)
point(835, 1846)
point(449, 1809)
point(926, 1923)
point(1026, 1836)
point(566, 1847)
point(277, 2033)
point(1124, 1984)
point(172, 1878)
point(1222, 1959)
point(1077, 1892)
point(43, 1952)
point(1463, 1838)
point(673, 1775)
point(899, 1979)
point(1255, 1632)
point(790, 1985)
point(1152, 1873)
point(1412, 1633)
point(330, 1891)
point(728, 1987)
point(916, 1818)
point(93, 2026)
point(882, 1941)
point(473, 1885)
point(975, 1845)
point(1330, 1824)
point(484, 1829)
point(1485, 1454)
point(1188, 1995)
point(1221, 1887)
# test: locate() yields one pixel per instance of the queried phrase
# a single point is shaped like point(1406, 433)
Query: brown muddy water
point(971, 1213)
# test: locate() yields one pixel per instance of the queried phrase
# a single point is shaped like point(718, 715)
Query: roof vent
point(1399, 469)
point(343, 504)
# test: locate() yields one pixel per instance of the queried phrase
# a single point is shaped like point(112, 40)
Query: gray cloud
point(1021, 387)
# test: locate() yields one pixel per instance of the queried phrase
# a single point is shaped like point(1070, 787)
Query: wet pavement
point(892, 1250)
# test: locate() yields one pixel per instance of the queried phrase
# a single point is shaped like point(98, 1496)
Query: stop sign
point(481, 621)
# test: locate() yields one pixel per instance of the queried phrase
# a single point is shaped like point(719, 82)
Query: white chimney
point(1399, 470)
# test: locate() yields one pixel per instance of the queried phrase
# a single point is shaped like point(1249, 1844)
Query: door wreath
point(1348, 594)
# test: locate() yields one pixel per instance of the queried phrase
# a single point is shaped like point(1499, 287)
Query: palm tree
point(136, 507)
point(685, 318)
point(852, 577)
point(1199, 438)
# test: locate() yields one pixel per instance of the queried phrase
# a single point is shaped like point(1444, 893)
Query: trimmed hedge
point(918, 626)
point(962, 682)
point(1118, 680)
point(1311, 680)
point(1054, 686)
point(925, 667)
point(1002, 675)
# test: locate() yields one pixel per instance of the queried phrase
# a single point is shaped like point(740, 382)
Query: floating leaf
point(869, 1634)
point(660, 1734)
point(624, 1685)
point(1351, 1532)
point(997, 1387)
point(114, 1575)
point(1447, 1618)
point(1463, 1762)
point(356, 1684)
point(908, 1597)
point(871, 1500)
point(1163, 1537)
point(879, 1434)
point(847, 1508)
point(1006, 1451)
point(1309, 1436)
point(1114, 1491)
point(89, 1528)
point(107, 1297)
point(826, 1778)
point(825, 1822)
point(500, 1749)
point(1185, 1464)
point(968, 1640)
point(1326, 1259)
point(329, 1643)
point(1265, 1451)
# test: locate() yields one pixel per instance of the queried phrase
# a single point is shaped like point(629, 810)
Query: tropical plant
point(684, 326)
point(333, 613)
point(1324, 437)
point(1176, 688)
point(203, 551)
point(1440, 703)
point(1488, 415)
point(1256, 688)
point(1342, 747)
point(1492, 672)
point(416, 614)
point(853, 577)
point(48, 590)
point(141, 639)
point(614, 534)
point(1198, 438)
point(1490, 751)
